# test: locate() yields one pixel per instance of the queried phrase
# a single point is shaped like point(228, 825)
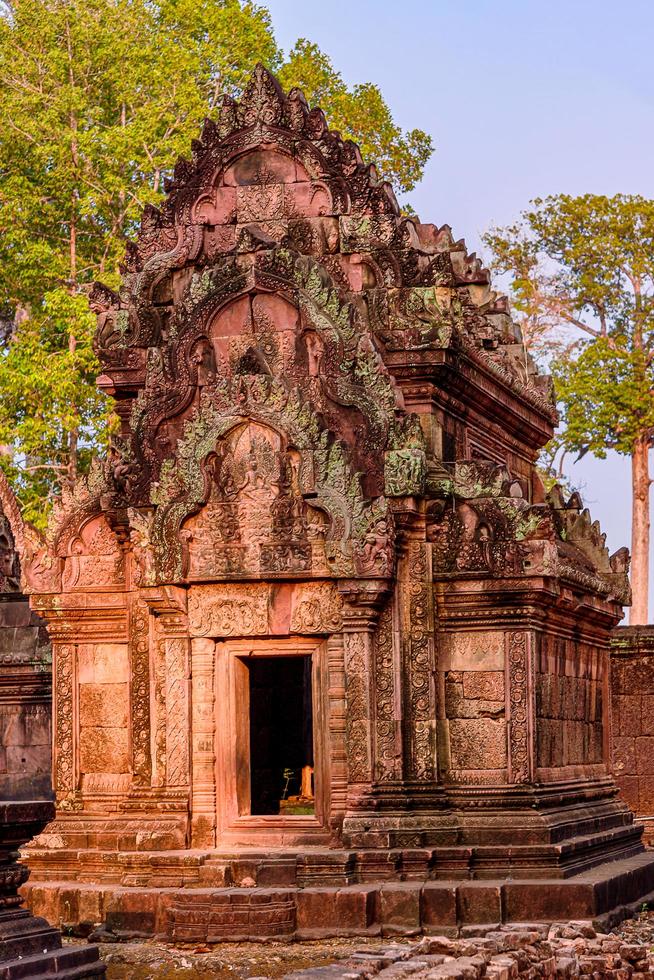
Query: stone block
point(629, 715)
point(479, 903)
point(438, 907)
point(624, 755)
point(645, 805)
point(33, 760)
point(644, 751)
point(103, 705)
point(219, 208)
point(37, 725)
point(473, 651)
point(533, 901)
point(356, 909)
point(477, 743)
point(91, 904)
point(15, 614)
point(104, 750)
point(399, 908)
point(316, 910)
point(103, 663)
point(132, 913)
point(304, 200)
point(485, 685)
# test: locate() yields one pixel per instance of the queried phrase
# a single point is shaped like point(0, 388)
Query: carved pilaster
point(361, 603)
point(358, 657)
point(65, 724)
point(519, 669)
point(419, 661)
point(337, 724)
point(203, 656)
point(388, 748)
point(172, 695)
point(139, 653)
point(177, 754)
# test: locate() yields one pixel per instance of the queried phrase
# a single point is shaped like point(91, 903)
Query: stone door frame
point(221, 764)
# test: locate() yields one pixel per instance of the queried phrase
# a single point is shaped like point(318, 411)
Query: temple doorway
point(281, 735)
point(273, 778)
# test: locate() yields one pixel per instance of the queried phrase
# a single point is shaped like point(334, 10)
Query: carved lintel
point(229, 610)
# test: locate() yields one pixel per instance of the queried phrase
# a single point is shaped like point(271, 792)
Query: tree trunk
point(640, 483)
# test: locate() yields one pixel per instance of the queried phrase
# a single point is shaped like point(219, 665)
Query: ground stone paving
point(559, 951)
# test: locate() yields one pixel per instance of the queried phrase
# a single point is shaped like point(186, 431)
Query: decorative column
point(416, 616)
point(520, 708)
point(65, 724)
point(203, 802)
point(361, 601)
point(139, 656)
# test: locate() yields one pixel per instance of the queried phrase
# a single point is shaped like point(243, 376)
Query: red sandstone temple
point(327, 658)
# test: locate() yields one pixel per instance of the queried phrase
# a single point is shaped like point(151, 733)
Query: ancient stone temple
point(326, 657)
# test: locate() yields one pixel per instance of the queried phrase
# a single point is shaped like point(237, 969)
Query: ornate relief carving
point(420, 665)
point(387, 756)
point(177, 720)
point(221, 611)
point(256, 520)
point(139, 651)
point(316, 609)
point(518, 670)
point(95, 559)
point(357, 687)
point(64, 687)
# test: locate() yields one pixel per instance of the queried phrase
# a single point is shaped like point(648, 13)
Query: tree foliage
point(582, 279)
point(99, 99)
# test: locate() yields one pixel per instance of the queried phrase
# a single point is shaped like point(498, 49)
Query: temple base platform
point(282, 895)
point(30, 948)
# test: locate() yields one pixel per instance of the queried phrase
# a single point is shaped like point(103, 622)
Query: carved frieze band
point(518, 669)
point(139, 650)
point(317, 608)
point(238, 611)
point(419, 666)
point(249, 610)
point(357, 687)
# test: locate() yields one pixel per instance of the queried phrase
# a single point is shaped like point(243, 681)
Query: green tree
point(99, 99)
point(582, 271)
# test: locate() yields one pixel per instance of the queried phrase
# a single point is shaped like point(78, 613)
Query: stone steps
point(380, 908)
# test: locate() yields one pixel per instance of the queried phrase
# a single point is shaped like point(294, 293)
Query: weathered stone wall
point(25, 702)
point(632, 704)
point(570, 680)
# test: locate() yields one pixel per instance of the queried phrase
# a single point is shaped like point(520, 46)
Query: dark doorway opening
point(281, 735)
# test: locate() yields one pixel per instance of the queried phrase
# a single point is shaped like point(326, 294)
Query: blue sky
point(523, 98)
